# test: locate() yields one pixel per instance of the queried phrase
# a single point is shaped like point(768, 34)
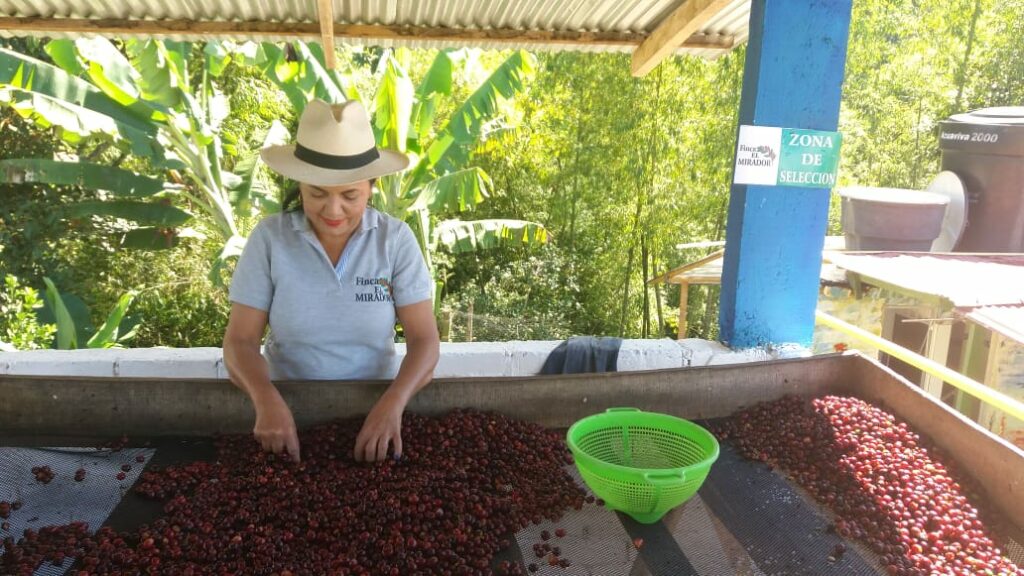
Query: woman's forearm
point(275, 426)
point(248, 370)
point(417, 368)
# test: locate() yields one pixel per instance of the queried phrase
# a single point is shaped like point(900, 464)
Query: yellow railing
point(988, 395)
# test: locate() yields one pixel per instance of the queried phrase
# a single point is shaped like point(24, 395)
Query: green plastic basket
point(642, 463)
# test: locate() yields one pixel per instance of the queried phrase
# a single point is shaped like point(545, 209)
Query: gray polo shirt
point(330, 322)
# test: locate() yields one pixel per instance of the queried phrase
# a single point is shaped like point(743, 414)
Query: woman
point(329, 277)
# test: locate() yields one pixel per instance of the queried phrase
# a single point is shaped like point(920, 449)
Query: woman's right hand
point(275, 427)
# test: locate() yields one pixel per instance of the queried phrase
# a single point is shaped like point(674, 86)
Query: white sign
point(757, 155)
point(771, 156)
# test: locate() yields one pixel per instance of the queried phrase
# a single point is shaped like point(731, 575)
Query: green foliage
point(911, 65)
point(459, 236)
point(19, 327)
point(438, 183)
point(67, 338)
point(618, 170)
point(46, 229)
point(111, 334)
point(182, 315)
point(179, 306)
point(36, 238)
point(995, 75)
point(530, 298)
point(621, 170)
point(141, 97)
point(83, 174)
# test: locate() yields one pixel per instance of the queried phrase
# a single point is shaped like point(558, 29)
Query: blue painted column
point(793, 78)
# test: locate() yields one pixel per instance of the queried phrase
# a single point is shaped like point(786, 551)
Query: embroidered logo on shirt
point(380, 289)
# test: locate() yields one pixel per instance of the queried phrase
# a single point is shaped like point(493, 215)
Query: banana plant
point(440, 182)
point(70, 332)
point(144, 100)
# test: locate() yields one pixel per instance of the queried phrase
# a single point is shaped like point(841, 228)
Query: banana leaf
point(67, 337)
point(113, 73)
point(150, 238)
point(456, 192)
point(217, 58)
point(91, 176)
point(150, 213)
point(34, 75)
point(232, 249)
point(394, 103)
point(107, 335)
point(74, 123)
point(436, 82)
point(454, 142)
point(157, 81)
point(460, 236)
point(65, 56)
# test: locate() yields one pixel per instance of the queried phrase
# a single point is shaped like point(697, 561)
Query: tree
point(616, 166)
point(147, 103)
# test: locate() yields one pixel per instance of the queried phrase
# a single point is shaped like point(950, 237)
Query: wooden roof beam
point(257, 29)
point(325, 12)
point(673, 32)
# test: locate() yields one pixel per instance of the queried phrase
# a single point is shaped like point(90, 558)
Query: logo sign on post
point(770, 156)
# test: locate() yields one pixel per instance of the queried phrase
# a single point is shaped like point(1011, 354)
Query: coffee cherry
point(42, 474)
point(887, 486)
point(466, 481)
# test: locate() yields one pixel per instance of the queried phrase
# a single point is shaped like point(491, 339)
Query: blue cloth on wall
point(584, 354)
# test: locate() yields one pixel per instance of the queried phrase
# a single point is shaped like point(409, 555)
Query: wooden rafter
point(512, 37)
point(325, 12)
point(673, 32)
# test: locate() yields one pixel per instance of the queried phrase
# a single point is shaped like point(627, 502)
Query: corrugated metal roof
point(733, 20)
point(965, 280)
point(1007, 320)
point(708, 269)
point(633, 17)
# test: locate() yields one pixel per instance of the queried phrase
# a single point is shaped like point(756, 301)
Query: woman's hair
point(292, 198)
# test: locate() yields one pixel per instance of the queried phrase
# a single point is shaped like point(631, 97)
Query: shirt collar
point(371, 220)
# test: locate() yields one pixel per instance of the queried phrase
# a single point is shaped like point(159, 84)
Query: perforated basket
point(642, 463)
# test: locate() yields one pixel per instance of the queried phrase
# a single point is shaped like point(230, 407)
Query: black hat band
point(332, 162)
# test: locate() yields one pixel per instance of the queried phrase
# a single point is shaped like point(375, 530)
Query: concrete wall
point(457, 359)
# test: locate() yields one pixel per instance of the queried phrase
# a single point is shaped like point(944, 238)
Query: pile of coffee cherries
point(465, 483)
point(887, 489)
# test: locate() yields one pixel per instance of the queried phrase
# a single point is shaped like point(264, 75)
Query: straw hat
point(334, 145)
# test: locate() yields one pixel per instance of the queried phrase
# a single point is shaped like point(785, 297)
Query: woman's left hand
point(383, 426)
